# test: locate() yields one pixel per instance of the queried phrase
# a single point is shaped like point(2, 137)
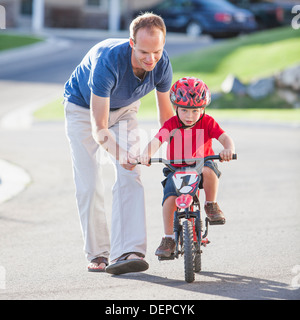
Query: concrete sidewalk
point(58, 39)
point(50, 45)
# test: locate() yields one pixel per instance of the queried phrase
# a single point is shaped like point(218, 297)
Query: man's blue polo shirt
point(106, 70)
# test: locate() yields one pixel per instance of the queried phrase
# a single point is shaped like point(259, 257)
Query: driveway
point(255, 255)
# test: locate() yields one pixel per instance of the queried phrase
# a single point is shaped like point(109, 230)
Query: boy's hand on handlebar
point(228, 145)
point(226, 155)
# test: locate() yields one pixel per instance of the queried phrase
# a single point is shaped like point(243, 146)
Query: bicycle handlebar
point(212, 157)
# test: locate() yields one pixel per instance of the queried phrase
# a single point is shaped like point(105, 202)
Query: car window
point(183, 3)
point(164, 5)
point(174, 4)
point(213, 4)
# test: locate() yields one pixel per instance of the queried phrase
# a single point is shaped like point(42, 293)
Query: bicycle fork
point(197, 228)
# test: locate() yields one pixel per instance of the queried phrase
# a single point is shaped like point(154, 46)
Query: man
point(101, 102)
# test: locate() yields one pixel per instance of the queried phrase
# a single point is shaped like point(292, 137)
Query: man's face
point(147, 49)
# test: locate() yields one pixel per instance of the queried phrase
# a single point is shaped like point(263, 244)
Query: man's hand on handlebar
point(144, 159)
point(128, 161)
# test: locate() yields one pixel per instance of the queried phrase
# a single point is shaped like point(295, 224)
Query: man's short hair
point(146, 20)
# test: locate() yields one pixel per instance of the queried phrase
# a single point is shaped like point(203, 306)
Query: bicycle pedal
point(205, 242)
point(214, 223)
point(172, 257)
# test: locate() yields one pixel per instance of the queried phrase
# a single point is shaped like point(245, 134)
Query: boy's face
point(189, 116)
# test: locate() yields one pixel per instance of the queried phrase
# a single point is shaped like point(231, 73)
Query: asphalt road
point(255, 255)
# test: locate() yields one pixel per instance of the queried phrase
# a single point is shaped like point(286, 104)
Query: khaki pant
point(128, 229)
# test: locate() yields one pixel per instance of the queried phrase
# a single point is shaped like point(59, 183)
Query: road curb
point(22, 118)
point(13, 180)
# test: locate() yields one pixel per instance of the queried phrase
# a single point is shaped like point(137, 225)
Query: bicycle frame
point(186, 181)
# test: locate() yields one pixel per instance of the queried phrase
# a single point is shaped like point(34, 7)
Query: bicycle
point(188, 225)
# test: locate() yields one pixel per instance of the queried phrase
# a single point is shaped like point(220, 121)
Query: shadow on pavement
point(225, 285)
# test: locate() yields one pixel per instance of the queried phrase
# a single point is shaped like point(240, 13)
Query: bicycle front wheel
point(188, 242)
point(197, 257)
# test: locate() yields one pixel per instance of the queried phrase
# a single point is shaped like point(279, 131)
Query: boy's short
point(167, 183)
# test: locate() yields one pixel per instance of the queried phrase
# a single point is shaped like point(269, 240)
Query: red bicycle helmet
point(190, 92)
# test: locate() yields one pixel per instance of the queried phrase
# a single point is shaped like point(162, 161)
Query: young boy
point(189, 135)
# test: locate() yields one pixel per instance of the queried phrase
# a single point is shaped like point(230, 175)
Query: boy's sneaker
point(166, 247)
point(214, 213)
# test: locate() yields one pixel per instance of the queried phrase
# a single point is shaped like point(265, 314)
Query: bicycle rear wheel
point(188, 242)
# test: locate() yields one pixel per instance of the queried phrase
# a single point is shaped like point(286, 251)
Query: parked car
point(268, 14)
point(217, 18)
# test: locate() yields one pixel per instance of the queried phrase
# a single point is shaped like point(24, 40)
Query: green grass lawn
point(8, 41)
point(253, 56)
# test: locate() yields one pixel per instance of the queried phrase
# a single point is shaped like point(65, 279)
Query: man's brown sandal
point(124, 265)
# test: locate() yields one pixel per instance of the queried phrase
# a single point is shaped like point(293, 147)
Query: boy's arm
point(228, 145)
point(151, 148)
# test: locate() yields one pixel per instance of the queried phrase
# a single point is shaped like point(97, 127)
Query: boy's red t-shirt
point(195, 142)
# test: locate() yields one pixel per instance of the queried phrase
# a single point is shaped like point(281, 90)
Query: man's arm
point(164, 106)
point(99, 119)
